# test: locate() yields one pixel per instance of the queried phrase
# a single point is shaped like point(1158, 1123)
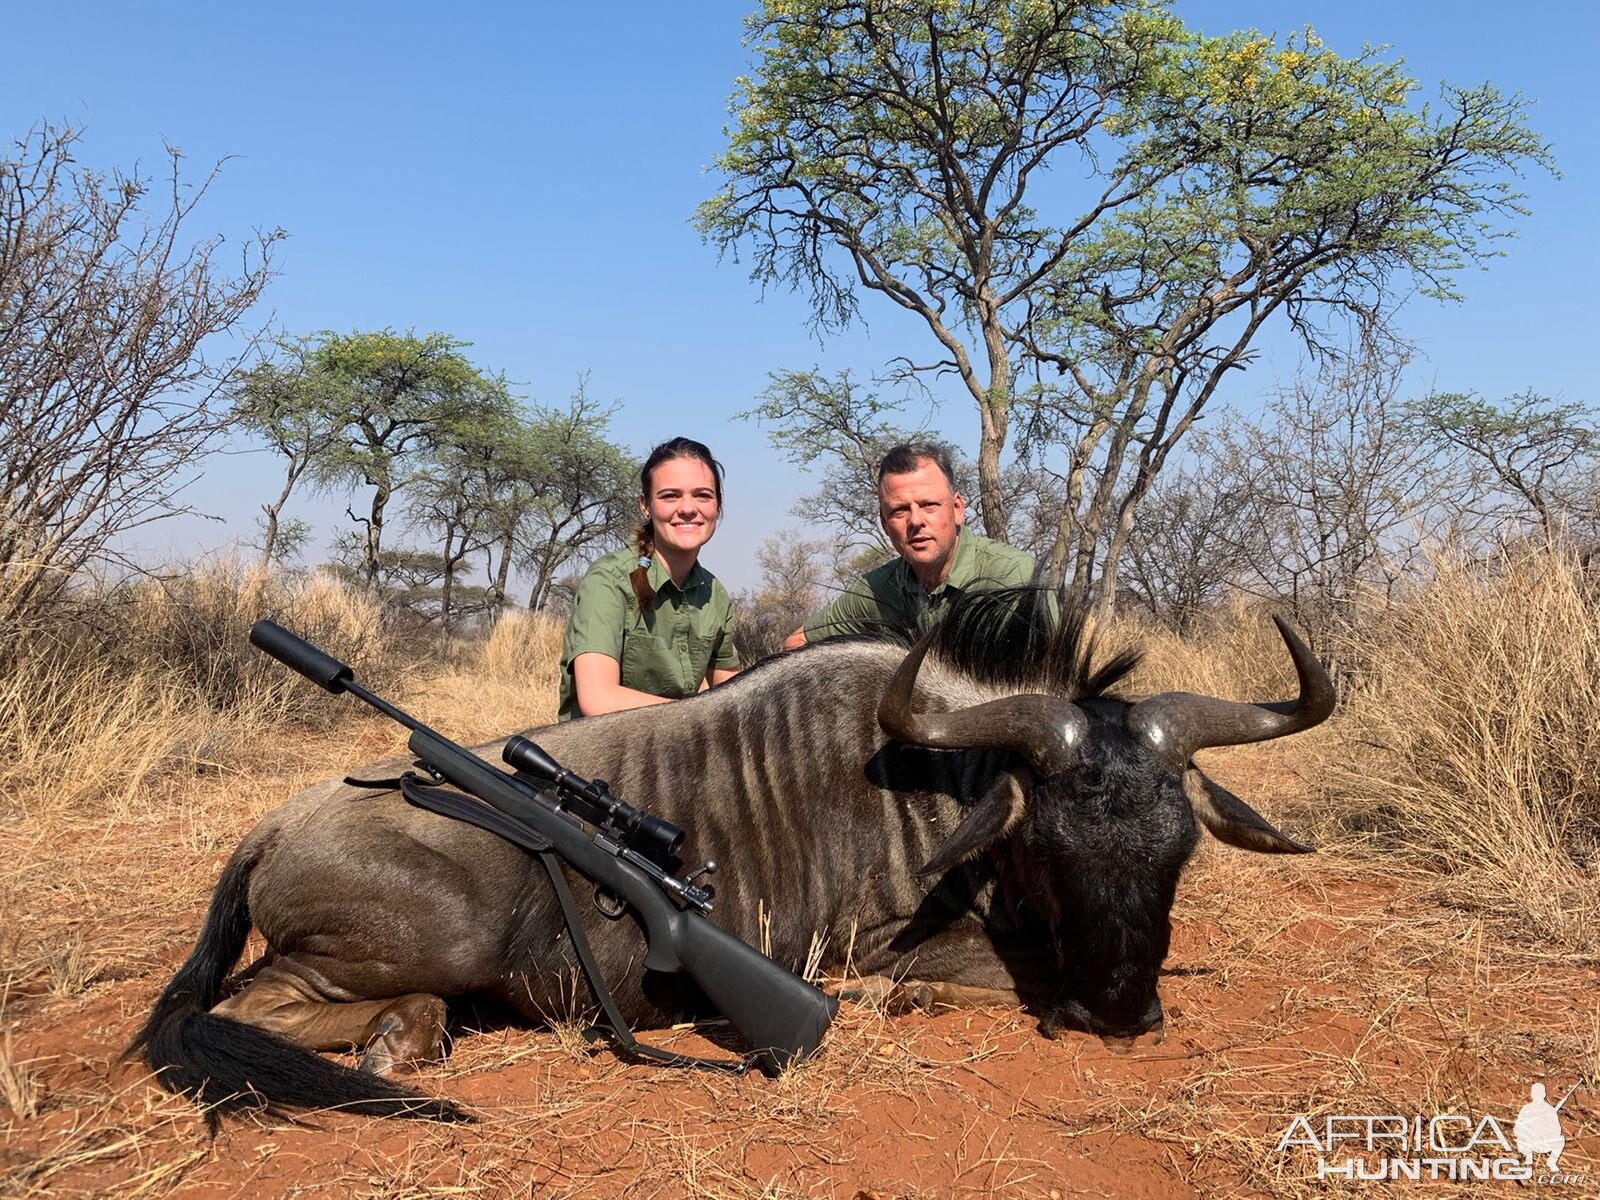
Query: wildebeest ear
point(987, 822)
point(1233, 821)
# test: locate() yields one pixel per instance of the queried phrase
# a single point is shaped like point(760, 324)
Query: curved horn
point(1176, 724)
point(1044, 729)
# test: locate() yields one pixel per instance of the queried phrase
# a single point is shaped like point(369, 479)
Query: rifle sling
point(464, 808)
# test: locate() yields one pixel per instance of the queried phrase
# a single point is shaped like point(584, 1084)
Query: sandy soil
point(1314, 985)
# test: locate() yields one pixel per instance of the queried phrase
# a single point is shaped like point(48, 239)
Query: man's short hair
point(908, 457)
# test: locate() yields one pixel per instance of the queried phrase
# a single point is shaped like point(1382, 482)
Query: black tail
point(229, 1066)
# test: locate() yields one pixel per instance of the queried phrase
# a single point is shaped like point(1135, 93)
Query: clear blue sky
point(522, 177)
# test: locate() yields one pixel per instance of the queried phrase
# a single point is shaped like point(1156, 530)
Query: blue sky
point(522, 177)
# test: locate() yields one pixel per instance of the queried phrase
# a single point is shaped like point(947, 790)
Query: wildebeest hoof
point(407, 1036)
point(915, 998)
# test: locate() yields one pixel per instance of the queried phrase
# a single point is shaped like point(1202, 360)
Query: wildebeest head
point(1110, 799)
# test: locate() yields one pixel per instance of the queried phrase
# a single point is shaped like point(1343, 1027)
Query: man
point(923, 515)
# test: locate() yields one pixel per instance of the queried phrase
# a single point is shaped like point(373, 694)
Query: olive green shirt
point(893, 595)
point(666, 651)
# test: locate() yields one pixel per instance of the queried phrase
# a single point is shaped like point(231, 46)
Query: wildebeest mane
point(1013, 639)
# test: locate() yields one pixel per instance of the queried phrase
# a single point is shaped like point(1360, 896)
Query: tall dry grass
point(1469, 747)
point(129, 681)
point(504, 682)
point(1236, 653)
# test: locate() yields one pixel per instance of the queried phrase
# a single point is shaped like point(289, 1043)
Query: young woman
point(650, 624)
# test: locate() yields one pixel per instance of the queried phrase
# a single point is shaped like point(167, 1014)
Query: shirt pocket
point(702, 651)
point(651, 664)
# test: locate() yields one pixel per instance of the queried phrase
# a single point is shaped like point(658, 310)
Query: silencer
point(300, 655)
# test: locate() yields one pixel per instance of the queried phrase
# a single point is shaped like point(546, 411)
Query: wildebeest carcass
point(977, 818)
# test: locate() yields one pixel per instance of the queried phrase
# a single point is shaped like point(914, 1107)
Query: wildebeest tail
point(229, 1066)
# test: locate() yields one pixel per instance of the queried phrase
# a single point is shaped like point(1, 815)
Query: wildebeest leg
point(959, 968)
point(908, 995)
point(397, 1034)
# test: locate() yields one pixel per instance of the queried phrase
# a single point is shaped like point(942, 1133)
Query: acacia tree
point(1296, 185)
point(582, 491)
point(896, 147)
point(1531, 454)
point(296, 410)
point(906, 136)
point(106, 396)
point(397, 396)
point(451, 496)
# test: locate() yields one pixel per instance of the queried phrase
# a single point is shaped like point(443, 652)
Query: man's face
point(922, 515)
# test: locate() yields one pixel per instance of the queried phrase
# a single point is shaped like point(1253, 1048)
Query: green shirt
point(893, 595)
point(666, 651)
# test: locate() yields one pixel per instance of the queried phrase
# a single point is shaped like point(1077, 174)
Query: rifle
point(629, 856)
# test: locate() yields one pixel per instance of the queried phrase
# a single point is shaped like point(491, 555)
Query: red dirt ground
point(1307, 985)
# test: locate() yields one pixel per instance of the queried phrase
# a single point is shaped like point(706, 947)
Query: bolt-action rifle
point(629, 855)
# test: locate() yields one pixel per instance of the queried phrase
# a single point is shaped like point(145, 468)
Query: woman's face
point(682, 504)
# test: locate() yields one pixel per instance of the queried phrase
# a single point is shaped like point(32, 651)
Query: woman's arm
point(718, 675)
point(598, 679)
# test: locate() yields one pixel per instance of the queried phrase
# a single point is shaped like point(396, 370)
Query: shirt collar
point(660, 577)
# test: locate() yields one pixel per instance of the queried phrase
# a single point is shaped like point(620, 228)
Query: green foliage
point(1533, 455)
point(895, 147)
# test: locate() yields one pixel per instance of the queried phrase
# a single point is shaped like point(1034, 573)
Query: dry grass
point(1470, 748)
point(1237, 654)
point(139, 683)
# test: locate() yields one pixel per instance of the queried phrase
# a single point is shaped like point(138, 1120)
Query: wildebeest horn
point(1176, 724)
point(1044, 729)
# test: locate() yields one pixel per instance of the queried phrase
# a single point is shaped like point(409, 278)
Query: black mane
point(1012, 638)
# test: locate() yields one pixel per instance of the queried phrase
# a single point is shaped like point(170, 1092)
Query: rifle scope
point(661, 839)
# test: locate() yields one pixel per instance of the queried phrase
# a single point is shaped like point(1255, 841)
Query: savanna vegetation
point(1439, 550)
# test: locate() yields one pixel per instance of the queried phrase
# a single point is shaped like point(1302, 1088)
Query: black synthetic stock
point(230, 1066)
point(779, 1014)
point(300, 655)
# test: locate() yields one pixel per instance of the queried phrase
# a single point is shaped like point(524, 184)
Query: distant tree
point(813, 419)
point(106, 397)
point(1190, 543)
point(889, 146)
point(582, 491)
point(449, 496)
point(792, 570)
point(1534, 456)
point(1337, 492)
point(298, 411)
point(399, 395)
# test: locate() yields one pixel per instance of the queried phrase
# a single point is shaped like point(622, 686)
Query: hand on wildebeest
point(975, 818)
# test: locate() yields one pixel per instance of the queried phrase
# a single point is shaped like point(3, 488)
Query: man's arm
point(796, 639)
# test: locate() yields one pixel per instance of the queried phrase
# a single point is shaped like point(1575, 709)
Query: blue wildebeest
point(976, 819)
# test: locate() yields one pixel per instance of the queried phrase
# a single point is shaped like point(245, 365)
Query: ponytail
point(644, 540)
